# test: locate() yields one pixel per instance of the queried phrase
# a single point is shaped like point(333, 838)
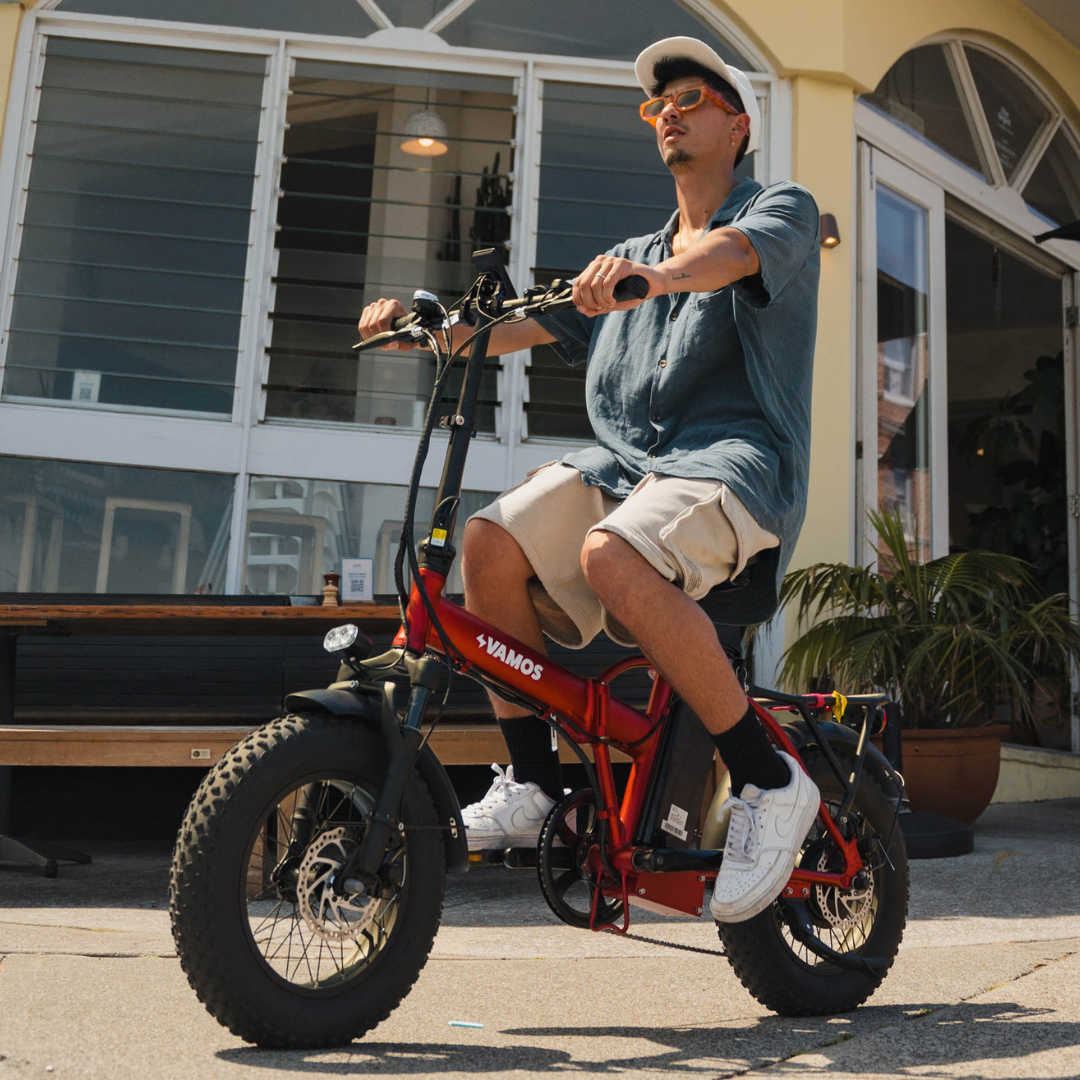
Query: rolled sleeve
point(572, 332)
point(782, 225)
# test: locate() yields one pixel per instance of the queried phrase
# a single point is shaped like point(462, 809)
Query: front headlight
point(341, 638)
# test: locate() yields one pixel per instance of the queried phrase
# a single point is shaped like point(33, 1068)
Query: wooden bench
point(202, 745)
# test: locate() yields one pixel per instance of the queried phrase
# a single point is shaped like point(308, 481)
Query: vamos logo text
point(498, 650)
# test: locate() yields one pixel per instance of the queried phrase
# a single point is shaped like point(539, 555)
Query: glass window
point(1054, 188)
point(74, 527)
point(570, 28)
point(601, 180)
point(1012, 110)
point(368, 210)
point(134, 245)
point(919, 93)
point(298, 530)
point(903, 443)
point(344, 17)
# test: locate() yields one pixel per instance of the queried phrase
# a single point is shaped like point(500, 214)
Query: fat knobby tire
point(761, 956)
point(206, 887)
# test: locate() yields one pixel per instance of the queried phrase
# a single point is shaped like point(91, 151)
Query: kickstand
point(38, 853)
point(611, 928)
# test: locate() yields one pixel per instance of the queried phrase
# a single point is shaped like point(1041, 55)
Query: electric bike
point(307, 882)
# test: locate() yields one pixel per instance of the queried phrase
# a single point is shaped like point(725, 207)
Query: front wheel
point(780, 971)
point(273, 951)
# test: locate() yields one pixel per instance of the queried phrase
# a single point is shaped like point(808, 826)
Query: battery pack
point(672, 814)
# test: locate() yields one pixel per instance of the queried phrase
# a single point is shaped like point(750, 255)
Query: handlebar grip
point(634, 287)
point(403, 321)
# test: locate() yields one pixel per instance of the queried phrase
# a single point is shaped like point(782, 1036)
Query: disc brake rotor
point(331, 916)
point(842, 909)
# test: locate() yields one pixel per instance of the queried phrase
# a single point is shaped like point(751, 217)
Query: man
point(700, 399)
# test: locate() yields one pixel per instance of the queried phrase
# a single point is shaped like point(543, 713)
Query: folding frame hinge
point(1072, 317)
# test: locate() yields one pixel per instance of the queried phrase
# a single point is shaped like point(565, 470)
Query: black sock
point(750, 756)
point(529, 742)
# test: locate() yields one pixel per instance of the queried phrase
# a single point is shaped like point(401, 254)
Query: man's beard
point(677, 155)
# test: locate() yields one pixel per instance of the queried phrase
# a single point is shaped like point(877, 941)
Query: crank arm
point(802, 929)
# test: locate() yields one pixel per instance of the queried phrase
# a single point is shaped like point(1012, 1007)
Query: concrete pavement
point(987, 983)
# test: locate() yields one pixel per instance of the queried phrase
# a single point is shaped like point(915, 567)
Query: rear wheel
point(780, 971)
point(275, 953)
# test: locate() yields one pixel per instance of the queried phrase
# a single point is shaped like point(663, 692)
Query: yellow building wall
point(10, 19)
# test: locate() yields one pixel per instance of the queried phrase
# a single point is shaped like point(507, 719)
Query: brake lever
point(414, 331)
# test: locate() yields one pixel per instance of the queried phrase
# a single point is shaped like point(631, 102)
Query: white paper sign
point(357, 584)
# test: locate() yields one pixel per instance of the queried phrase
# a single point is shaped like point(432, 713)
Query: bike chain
point(668, 944)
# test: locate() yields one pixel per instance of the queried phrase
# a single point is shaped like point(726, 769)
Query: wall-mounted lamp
point(424, 131)
point(830, 231)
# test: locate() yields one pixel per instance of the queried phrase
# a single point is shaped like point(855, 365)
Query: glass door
point(901, 447)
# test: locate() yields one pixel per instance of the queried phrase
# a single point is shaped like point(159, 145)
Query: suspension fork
point(359, 872)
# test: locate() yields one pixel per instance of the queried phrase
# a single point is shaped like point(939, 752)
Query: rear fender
point(374, 706)
point(842, 739)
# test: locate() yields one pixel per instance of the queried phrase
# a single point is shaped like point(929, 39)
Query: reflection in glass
point(607, 31)
point(359, 219)
point(919, 92)
point(1012, 110)
point(1006, 414)
point(1054, 188)
point(601, 181)
point(903, 446)
point(75, 527)
point(134, 245)
point(341, 17)
point(298, 530)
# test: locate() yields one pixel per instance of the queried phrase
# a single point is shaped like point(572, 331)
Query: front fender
point(374, 706)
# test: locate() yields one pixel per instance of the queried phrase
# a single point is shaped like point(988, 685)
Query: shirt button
point(652, 455)
point(674, 314)
point(663, 363)
point(656, 417)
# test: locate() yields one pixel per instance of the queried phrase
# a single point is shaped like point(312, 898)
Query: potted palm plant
point(958, 641)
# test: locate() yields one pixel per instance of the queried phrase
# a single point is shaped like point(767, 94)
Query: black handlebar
point(634, 287)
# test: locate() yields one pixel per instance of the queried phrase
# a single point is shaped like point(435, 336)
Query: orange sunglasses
point(684, 101)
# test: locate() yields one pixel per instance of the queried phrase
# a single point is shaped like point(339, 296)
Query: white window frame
point(876, 167)
point(244, 444)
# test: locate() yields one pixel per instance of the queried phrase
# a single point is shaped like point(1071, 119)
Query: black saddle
point(746, 600)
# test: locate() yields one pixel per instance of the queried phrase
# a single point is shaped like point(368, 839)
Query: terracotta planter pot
point(952, 771)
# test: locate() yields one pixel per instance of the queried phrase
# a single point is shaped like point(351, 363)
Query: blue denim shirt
point(711, 385)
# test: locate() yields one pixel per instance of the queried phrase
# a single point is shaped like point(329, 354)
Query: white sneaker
point(509, 815)
point(764, 837)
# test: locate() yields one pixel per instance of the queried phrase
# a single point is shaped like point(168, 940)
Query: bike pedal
point(516, 858)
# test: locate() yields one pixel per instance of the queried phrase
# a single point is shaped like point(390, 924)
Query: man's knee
point(607, 560)
point(489, 552)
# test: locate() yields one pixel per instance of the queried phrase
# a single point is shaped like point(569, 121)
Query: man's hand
point(594, 287)
point(376, 319)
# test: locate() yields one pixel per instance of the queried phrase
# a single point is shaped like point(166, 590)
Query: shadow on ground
point(932, 1035)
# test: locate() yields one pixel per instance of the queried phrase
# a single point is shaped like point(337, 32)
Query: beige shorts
point(696, 533)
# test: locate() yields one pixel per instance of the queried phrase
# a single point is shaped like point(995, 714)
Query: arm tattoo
point(679, 277)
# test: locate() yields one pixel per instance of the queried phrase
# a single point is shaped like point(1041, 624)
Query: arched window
point(963, 100)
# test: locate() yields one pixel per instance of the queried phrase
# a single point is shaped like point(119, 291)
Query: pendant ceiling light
point(424, 132)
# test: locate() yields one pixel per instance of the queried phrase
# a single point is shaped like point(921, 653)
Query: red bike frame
point(585, 712)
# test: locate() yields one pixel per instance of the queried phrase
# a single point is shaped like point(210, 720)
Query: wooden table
point(120, 618)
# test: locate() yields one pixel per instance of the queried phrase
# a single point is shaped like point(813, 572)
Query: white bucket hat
point(692, 49)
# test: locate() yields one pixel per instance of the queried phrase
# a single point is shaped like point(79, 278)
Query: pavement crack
point(93, 955)
point(65, 926)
